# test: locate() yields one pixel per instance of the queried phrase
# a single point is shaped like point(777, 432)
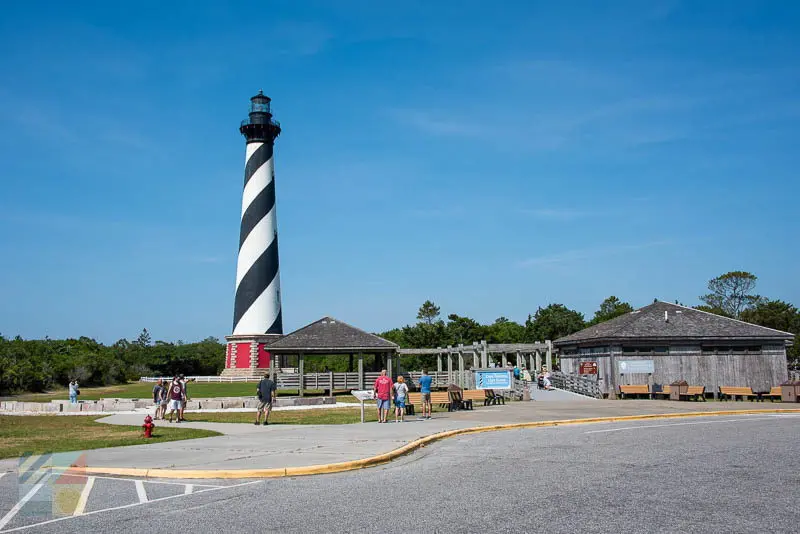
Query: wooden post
point(549, 354)
point(330, 381)
point(461, 368)
point(439, 362)
point(300, 370)
point(531, 368)
point(504, 361)
point(449, 368)
point(538, 360)
point(272, 374)
point(389, 365)
point(484, 354)
point(475, 359)
point(361, 371)
point(519, 355)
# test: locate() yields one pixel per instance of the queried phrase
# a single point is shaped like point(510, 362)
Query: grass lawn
point(41, 434)
point(326, 416)
point(143, 390)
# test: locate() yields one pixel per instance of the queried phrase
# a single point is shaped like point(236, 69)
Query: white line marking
point(140, 491)
point(675, 424)
point(4, 473)
point(189, 489)
point(56, 520)
point(84, 498)
point(17, 507)
point(148, 481)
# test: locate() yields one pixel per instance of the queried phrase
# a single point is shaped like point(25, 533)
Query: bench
point(474, 395)
point(458, 401)
point(774, 393)
point(437, 397)
point(664, 392)
point(492, 399)
point(634, 389)
point(696, 393)
point(692, 392)
point(731, 392)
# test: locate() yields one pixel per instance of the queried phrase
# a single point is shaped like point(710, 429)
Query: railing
point(204, 378)
point(576, 384)
point(341, 381)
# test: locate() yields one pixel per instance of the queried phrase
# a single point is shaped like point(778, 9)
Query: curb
point(389, 456)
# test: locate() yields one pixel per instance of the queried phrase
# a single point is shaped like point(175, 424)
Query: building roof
point(331, 335)
point(671, 322)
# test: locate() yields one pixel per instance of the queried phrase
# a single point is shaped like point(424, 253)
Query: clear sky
point(490, 156)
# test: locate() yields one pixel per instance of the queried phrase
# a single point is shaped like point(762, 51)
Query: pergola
point(530, 353)
point(329, 336)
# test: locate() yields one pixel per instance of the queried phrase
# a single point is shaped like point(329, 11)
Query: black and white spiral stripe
point(257, 309)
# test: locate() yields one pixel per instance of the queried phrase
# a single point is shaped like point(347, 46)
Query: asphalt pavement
point(245, 446)
point(712, 474)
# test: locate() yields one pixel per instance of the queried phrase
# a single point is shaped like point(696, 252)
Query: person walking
point(184, 382)
point(266, 393)
point(400, 395)
point(74, 391)
point(425, 392)
point(158, 395)
point(176, 397)
point(383, 390)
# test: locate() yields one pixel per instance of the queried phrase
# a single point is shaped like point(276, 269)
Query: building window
point(725, 349)
point(645, 350)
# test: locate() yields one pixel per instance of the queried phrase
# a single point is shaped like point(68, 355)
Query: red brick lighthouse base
point(248, 355)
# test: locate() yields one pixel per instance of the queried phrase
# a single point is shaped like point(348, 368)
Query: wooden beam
point(300, 371)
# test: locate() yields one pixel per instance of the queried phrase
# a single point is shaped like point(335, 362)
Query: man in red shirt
point(383, 391)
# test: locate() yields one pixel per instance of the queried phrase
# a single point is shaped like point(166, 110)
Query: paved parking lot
point(713, 474)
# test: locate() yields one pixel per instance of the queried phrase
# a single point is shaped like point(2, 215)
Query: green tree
point(731, 293)
point(779, 315)
point(505, 331)
point(553, 322)
point(428, 313)
point(462, 330)
point(144, 338)
point(610, 308)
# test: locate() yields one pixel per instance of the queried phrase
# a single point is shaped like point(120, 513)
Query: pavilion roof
point(331, 335)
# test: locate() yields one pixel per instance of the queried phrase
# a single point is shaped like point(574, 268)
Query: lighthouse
point(257, 317)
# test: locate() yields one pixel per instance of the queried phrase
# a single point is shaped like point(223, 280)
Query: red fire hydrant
point(148, 427)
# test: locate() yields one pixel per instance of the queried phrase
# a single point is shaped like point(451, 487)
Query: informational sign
point(363, 395)
point(628, 367)
point(587, 368)
point(493, 378)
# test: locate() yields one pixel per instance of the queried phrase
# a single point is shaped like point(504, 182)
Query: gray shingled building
point(664, 342)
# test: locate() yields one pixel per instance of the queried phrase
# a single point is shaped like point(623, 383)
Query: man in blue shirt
point(425, 389)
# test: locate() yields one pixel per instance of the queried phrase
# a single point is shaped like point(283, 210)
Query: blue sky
point(492, 157)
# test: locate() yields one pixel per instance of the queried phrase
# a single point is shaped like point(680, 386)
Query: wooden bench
point(634, 389)
point(692, 392)
point(473, 396)
point(731, 392)
point(774, 393)
point(492, 399)
point(696, 393)
point(663, 393)
point(441, 398)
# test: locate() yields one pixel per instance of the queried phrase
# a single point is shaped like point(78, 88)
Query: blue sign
point(493, 378)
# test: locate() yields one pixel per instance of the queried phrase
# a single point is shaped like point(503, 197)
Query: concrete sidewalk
point(246, 446)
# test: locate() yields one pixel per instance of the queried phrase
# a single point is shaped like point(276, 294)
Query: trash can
point(790, 391)
point(678, 388)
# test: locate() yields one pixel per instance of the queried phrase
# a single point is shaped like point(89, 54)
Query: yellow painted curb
point(391, 455)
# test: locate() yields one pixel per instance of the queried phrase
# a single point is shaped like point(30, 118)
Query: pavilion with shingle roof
point(330, 336)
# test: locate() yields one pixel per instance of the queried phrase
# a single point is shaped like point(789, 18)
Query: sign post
point(363, 395)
